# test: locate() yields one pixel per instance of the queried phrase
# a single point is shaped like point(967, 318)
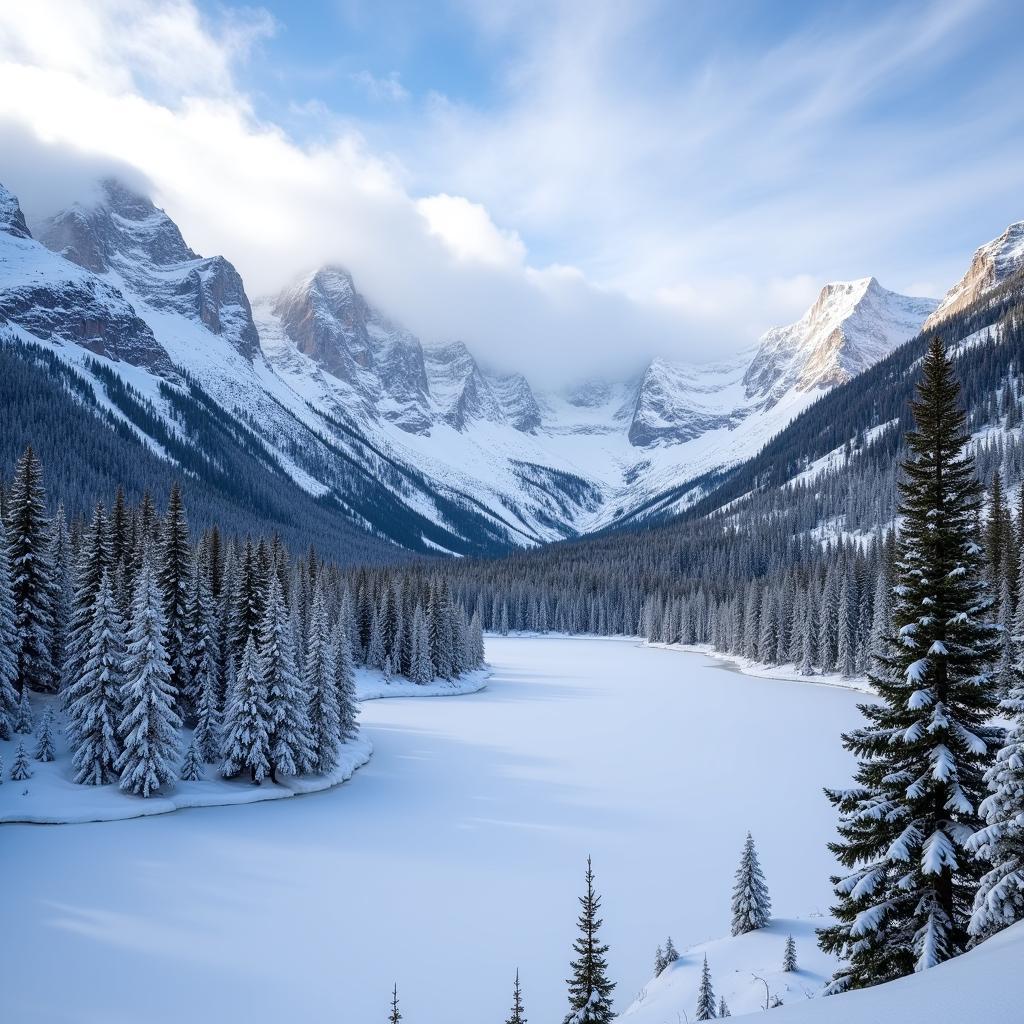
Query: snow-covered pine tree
point(23, 720)
point(192, 766)
point(93, 699)
point(387, 670)
point(345, 683)
point(174, 578)
point(320, 684)
point(8, 645)
point(906, 900)
point(476, 641)
point(590, 991)
point(247, 721)
point(44, 738)
point(375, 650)
point(62, 557)
point(846, 656)
point(671, 954)
point(789, 954)
point(659, 961)
point(149, 724)
point(518, 1014)
point(291, 743)
point(751, 904)
point(723, 1008)
point(28, 532)
point(204, 669)
point(94, 558)
point(21, 769)
point(422, 670)
point(705, 994)
point(999, 901)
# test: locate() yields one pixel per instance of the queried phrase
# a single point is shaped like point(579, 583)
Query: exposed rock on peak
point(992, 264)
point(12, 220)
point(850, 326)
point(136, 246)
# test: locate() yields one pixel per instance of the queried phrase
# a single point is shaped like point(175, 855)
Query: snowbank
point(737, 963)
point(51, 796)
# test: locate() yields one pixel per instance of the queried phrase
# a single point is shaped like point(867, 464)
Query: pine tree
point(149, 724)
point(659, 961)
point(999, 901)
point(723, 1008)
point(21, 769)
point(44, 739)
point(320, 683)
point(204, 670)
point(789, 955)
point(705, 994)
point(671, 954)
point(396, 1015)
point(905, 903)
point(247, 721)
point(23, 720)
point(62, 559)
point(590, 991)
point(192, 766)
point(174, 578)
point(31, 574)
point(422, 670)
point(94, 559)
point(345, 684)
point(518, 1015)
point(291, 744)
point(751, 904)
point(9, 645)
point(93, 699)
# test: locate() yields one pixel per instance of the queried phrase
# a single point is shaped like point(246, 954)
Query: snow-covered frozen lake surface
point(454, 857)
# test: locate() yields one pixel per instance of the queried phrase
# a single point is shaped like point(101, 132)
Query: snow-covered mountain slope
point(992, 264)
point(345, 398)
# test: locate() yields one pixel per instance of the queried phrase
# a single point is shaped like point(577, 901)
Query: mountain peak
point(850, 326)
point(12, 220)
point(992, 264)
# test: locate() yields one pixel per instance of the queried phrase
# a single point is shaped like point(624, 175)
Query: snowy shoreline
point(54, 799)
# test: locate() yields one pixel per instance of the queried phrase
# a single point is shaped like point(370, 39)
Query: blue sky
point(605, 180)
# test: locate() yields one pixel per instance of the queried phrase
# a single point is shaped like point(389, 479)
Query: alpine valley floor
point(454, 857)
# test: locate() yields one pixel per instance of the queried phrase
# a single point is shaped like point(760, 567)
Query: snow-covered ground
point(51, 795)
point(454, 857)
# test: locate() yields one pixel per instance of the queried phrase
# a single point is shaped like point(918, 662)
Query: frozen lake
point(453, 858)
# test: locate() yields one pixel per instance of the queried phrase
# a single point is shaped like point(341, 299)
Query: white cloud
point(467, 230)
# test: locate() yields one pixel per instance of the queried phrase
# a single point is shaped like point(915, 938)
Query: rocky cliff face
point(992, 264)
point(50, 298)
point(126, 240)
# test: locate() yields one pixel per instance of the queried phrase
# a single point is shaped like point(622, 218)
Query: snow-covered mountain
point(992, 264)
point(336, 389)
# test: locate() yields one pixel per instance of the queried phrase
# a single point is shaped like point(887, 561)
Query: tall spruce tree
point(93, 698)
point(28, 531)
point(905, 903)
point(291, 745)
point(518, 1014)
point(321, 688)
point(94, 559)
point(751, 904)
point(174, 577)
point(345, 683)
point(590, 991)
point(395, 1015)
point(8, 645)
point(149, 723)
point(247, 720)
point(705, 994)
